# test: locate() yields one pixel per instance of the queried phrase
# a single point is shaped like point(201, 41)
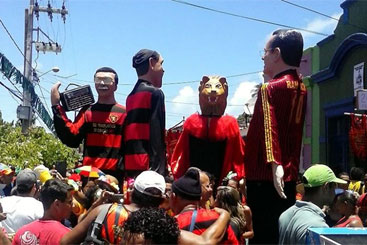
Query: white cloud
point(241, 96)
point(322, 25)
point(318, 24)
point(186, 102)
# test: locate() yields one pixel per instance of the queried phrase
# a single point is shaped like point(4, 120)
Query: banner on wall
point(358, 136)
point(358, 77)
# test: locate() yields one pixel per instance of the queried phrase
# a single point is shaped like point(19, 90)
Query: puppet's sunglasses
point(104, 80)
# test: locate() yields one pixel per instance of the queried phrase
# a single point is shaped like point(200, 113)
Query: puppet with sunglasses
point(98, 126)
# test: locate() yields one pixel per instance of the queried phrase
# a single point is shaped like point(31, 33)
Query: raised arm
point(249, 230)
point(213, 235)
point(79, 232)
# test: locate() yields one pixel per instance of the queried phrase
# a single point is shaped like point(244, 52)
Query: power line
point(14, 86)
point(169, 101)
point(325, 15)
point(16, 101)
point(12, 94)
point(173, 83)
point(19, 96)
point(167, 115)
point(174, 113)
point(188, 103)
point(243, 74)
point(230, 76)
point(43, 96)
point(248, 18)
point(311, 10)
point(11, 37)
point(11, 91)
point(125, 95)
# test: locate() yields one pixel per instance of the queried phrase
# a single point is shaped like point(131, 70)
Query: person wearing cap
point(320, 183)
point(149, 189)
point(145, 121)
point(22, 208)
point(155, 226)
point(109, 183)
point(56, 197)
point(185, 202)
point(98, 126)
point(148, 192)
point(6, 178)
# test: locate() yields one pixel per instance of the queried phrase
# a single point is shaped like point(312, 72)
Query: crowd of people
point(215, 188)
point(67, 210)
point(159, 210)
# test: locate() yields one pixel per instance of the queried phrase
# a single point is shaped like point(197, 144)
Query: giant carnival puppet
point(210, 141)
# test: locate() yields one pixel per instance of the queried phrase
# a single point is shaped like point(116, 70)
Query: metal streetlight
point(36, 77)
point(53, 69)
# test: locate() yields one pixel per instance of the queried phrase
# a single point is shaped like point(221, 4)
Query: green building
point(331, 88)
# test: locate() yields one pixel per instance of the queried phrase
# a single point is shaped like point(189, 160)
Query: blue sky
point(193, 42)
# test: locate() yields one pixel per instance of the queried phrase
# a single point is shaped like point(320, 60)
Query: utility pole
point(26, 107)
point(28, 73)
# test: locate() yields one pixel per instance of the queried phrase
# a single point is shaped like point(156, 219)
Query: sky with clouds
point(193, 42)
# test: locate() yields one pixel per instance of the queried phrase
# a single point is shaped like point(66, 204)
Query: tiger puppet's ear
point(224, 83)
point(203, 81)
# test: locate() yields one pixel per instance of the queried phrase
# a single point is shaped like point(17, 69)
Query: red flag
point(358, 136)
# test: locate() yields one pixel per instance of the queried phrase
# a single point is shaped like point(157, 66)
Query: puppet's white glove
point(278, 182)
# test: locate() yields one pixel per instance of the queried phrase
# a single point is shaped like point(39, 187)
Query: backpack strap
point(93, 234)
point(193, 220)
point(108, 226)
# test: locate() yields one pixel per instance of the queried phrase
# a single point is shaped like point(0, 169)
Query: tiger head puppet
point(213, 92)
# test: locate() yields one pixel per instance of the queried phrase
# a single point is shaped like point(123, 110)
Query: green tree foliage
point(38, 147)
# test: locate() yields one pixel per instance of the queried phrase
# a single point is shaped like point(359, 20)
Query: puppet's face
point(213, 95)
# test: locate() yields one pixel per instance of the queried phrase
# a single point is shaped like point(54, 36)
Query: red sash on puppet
point(358, 136)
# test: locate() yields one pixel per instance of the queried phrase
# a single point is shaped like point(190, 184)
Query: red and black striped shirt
point(101, 128)
point(275, 133)
point(204, 219)
point(144, 129)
